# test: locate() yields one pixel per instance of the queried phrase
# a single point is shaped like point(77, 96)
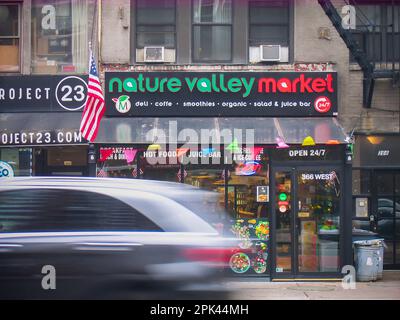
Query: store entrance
point(386, 213)
point(306, 207)
point(68, 161)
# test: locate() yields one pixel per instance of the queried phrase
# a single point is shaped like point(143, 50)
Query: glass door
point(283, 235)
point(387, 214)
point(307, 211)
point(318, 214)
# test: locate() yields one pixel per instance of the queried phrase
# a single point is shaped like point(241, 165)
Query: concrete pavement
point(386, 289)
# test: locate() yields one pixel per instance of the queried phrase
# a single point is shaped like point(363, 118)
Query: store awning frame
point(266, 130)
point(133, 130)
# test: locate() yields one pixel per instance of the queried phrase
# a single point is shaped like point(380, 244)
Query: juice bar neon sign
point(222, 94)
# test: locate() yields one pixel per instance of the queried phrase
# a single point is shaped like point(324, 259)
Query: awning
point(175, 130)
point(148, 130)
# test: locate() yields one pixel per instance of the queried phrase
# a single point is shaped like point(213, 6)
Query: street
point(387, 289)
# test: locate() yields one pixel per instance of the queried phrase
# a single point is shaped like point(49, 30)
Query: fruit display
point(243, 233)
point(253, 235)
point(240, 263)
point(262, 230)
point(328, 225)
point(259, 264)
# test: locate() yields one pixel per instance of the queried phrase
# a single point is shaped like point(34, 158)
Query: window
point(269, 22)
point(46, 210)
point(244, 182)
point(361, 182)
point(155, 23)
point(60, 36)
point(9, 38)
point(212, 31)
point(378, 32)
point(19, 159)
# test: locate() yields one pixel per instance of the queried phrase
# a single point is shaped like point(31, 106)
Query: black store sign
point(214, 94)
point(313, 153)
point(42, 93)
point(378, 151)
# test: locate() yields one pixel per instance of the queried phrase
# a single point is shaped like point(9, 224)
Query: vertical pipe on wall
point(348, 216)
point(91, 160)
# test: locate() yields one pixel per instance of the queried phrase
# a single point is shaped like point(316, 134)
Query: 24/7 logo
point(122, 104)
point(323, 104)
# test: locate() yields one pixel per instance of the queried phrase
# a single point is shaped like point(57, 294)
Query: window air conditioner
point(270, 53)
point(154, 54)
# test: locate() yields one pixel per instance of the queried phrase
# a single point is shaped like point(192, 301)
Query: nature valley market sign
point(213, 94)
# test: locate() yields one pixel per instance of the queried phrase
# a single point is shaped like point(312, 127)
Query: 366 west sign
point(222, 94)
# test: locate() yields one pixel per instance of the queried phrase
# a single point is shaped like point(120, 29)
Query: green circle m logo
point(122, 104)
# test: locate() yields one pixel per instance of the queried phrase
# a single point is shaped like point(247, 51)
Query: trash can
point(369, 259)
point(381, 250)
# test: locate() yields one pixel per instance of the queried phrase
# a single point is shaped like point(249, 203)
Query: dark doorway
point(61, 161)
point(386, 211)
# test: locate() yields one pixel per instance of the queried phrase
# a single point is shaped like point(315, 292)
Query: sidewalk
point(387, 289)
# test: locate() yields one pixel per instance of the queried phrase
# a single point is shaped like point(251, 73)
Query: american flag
point(135, 172)
point(102, 174)
point(179, 175)
point(95, 105)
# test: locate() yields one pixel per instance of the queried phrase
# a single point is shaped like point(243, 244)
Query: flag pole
point(95, 107)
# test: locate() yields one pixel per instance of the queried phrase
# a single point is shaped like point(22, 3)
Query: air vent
point(154, 54)
point(270, 53)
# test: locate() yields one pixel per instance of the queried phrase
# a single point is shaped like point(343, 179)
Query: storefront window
point(385, 183)
point(9, 37)
point(160, 165)
point(60, 36)
point(397, 184)
point(361, 182)
point(248, 184)
point(118, 162)
point(248, 197)
point(208, 177)
point(162, 172)
point(20, 160)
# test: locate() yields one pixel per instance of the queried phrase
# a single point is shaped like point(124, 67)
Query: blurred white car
point(109, 238)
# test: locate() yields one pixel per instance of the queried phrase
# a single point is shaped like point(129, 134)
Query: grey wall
point(115, 38)
point(183, 34)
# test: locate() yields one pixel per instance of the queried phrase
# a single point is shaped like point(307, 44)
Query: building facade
point(259, 101)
